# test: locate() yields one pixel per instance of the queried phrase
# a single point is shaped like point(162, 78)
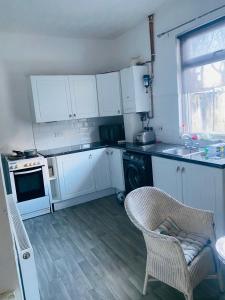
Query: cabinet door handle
point(178, 169)
point(70, 115)
point(182, 169)
point(74, 115)
point(90, 156)
point(118, 111)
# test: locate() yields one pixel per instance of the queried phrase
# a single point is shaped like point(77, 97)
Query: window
point(203, 79)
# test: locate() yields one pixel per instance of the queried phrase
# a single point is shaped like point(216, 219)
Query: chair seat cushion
point(191, 243)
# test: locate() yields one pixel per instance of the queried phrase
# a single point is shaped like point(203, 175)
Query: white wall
point(136, 43)
point(22, 55)
point(8, 275)
point(165, 83)
point(132, 44)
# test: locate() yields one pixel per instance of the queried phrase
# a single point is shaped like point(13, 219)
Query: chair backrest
point(148, 207)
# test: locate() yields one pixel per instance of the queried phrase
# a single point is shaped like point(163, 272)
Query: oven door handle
point(27, 172)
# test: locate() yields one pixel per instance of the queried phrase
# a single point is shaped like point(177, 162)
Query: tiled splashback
point(68, 133)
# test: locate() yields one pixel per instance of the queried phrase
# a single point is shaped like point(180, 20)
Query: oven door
point(29, 184)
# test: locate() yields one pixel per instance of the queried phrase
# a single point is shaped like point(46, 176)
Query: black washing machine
point(137, 170)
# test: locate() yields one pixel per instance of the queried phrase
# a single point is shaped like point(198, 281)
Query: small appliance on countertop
point(28, 174)
point(111, 134)
point(145, 137)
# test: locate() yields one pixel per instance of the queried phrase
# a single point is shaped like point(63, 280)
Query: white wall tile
point(68, 133)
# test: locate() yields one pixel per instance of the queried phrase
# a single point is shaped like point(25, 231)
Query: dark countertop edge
point(187, 160)
point(79, 150)
point(149, 152)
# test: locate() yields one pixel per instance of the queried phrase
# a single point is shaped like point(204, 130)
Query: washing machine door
point(134, 178)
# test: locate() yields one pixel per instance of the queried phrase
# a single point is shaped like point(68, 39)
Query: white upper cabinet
point(84, 96)
point(58, 98)
point(109, 94)
point(135, 98)
point(51, 98)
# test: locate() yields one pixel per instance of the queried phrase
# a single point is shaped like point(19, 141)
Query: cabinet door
point(75, 174)
point(128, 92)
point(167, 176)
point(84, 96)
point(101, 169)
point(199, 186)
point(116, 168)
point(109, 94)
point(51, 98)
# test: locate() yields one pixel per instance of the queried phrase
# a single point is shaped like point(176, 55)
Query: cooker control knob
point(30, 164)
point(25, 165)
point(34, 163)
point(15, 167)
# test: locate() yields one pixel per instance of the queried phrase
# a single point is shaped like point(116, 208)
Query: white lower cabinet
point(101, 169)
point(195, 185)
point(116, 168)
point(89, 171)
point(200, 186)
point(166, 176)
point(76, 176)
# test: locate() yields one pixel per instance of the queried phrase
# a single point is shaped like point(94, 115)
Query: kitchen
point(66, 94)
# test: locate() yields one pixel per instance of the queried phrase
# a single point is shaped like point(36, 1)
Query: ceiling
point(74, 18)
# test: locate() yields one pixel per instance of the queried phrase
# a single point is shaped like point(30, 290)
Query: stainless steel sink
point(181, 151)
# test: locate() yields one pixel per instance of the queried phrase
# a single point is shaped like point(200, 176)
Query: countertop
point(154, 150)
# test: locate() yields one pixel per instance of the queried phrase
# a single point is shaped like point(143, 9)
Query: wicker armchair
point(147, 208)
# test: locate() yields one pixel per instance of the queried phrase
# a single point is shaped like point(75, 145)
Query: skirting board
point(35, 214)
point(83, 199)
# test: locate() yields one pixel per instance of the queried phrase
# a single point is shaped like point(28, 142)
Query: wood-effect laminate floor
point(92, 252)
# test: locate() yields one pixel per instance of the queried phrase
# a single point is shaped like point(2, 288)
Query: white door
point(199, 186)
point(84, 96)
point(167, 176)
point(75, 174)
point(116, 168)
point(109, 94)
point(51, 98)
point(101, 169)
point(128, 92)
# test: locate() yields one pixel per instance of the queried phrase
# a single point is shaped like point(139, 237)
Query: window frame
point(200, 61)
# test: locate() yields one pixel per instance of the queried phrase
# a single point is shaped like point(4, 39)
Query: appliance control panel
point(25, 164)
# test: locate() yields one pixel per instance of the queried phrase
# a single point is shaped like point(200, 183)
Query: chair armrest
point(165, 257)
point(196, 221)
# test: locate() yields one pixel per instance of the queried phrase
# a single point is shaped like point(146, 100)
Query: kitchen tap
point(189, 141)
